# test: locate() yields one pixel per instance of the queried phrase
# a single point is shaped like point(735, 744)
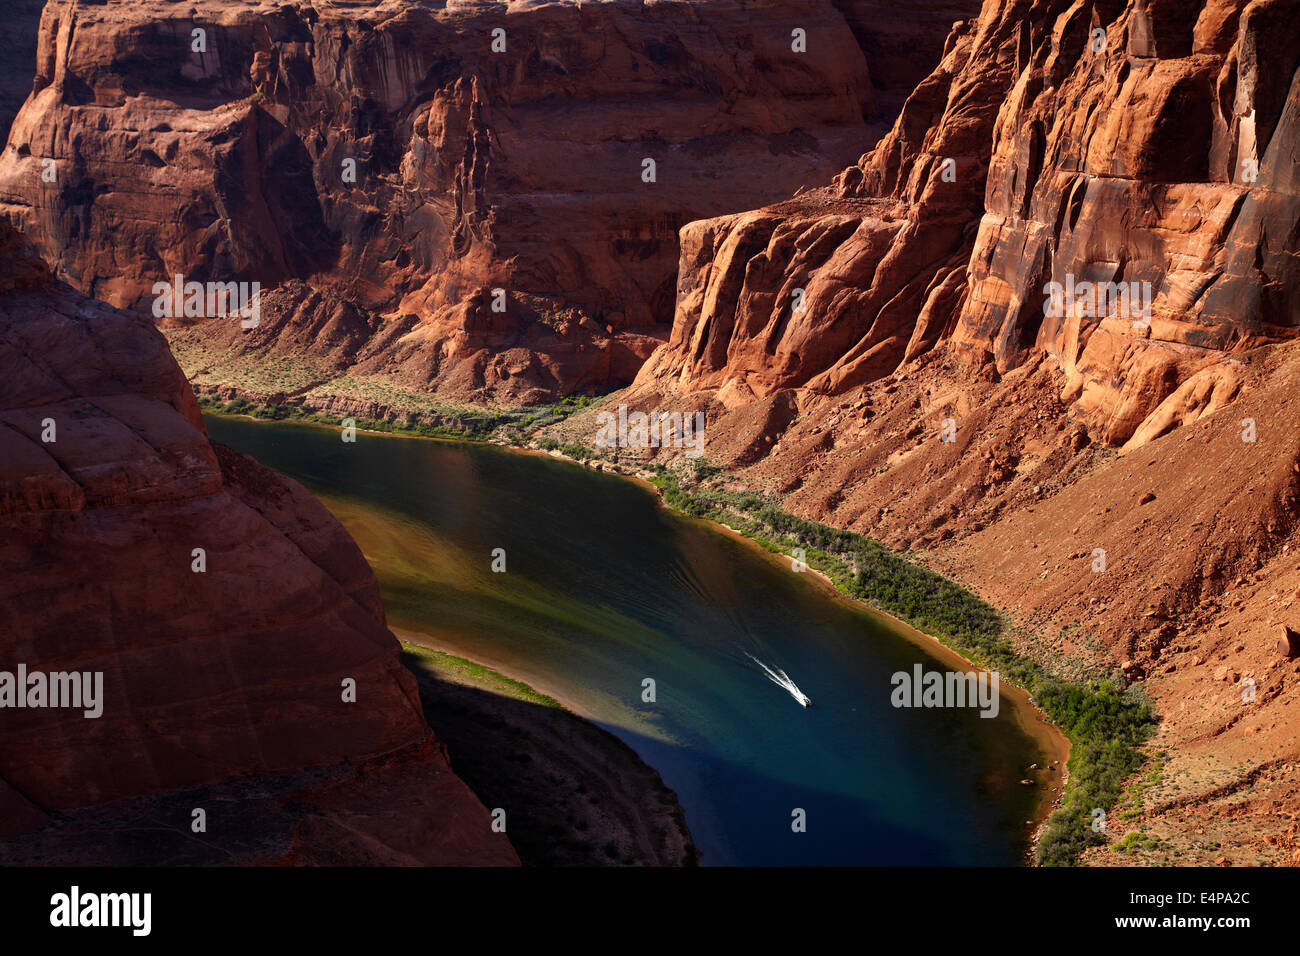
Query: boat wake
point(728, 633)
point(782, 680)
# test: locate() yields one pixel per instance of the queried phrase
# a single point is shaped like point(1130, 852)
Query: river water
point(604, 589)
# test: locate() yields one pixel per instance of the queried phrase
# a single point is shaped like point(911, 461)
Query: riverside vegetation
point(513, 425)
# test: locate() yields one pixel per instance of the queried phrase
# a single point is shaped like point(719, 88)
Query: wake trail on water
point(781, 679)
point(738, 643)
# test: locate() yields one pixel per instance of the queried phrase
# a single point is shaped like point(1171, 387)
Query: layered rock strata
point(411, 159)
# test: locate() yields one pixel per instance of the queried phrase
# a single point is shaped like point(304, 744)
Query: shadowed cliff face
point(389, 156)
point(830, 289)
point(108, 484)
point(903, 42)
point(1066, 143)
point(18, 31)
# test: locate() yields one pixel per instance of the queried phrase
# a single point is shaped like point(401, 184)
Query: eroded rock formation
point(111, 496)
point(1093, 143)
point(833, 337)
point(389, 155)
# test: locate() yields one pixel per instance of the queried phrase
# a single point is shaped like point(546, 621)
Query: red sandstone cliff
point(209, 678)
point(1097, 160)
point(1104, 142)
point(226, 163)
point(474, 169)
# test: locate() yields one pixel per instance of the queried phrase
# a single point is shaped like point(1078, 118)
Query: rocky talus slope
point(225, 609)
point(836, 338)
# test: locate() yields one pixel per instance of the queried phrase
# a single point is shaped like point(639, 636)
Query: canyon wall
point(828, 290)
point(879, 352)
point(1057, 142)
point(18, 33)
point(903, 42)
point(407, 160)
point(1168, 158)
point(223, 606)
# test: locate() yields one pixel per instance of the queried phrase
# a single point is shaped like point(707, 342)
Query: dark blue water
point(604, 588)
